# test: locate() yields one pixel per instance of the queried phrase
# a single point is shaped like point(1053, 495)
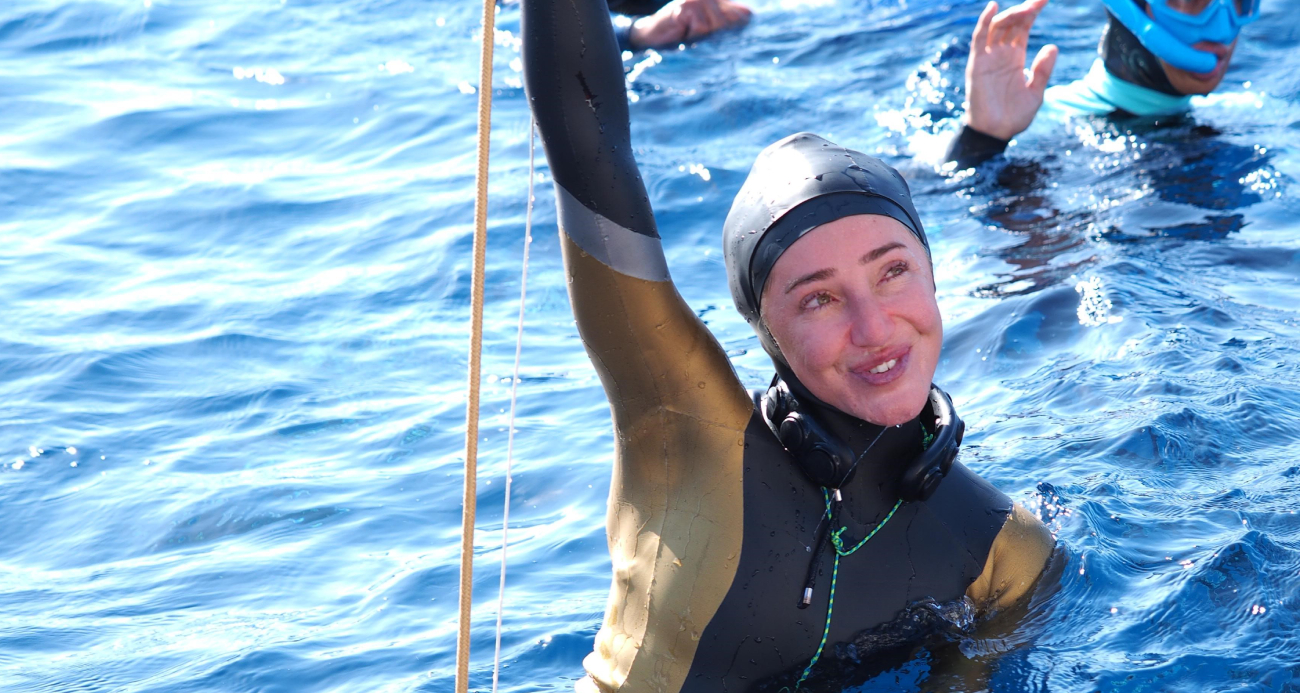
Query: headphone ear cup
point(823, 461)
point(930, 482)
point(821, 466)
point(794, 433)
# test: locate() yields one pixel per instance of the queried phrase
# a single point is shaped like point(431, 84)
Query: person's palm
point(1001, 100)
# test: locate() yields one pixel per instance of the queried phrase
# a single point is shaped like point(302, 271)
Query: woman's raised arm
point(679, 411)
point(653, 354)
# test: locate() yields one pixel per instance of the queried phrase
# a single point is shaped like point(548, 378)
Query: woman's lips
point(884, 368)
point(1218, 50)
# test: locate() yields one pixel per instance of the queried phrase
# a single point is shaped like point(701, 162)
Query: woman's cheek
point(932, 333)
point(815, 346)
point(925, 311)
point(798, 345)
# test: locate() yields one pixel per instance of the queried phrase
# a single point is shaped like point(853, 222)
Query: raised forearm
point(573, 76)
point(970, 147)
point(648, 346)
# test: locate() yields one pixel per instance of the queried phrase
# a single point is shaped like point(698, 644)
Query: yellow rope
point(475, 348)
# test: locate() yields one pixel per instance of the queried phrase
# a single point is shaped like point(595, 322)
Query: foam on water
point(235, 250)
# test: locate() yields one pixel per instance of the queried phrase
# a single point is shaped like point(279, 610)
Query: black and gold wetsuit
point(710, 522)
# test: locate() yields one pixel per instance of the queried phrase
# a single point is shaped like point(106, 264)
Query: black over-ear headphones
point(825, 459)
point(829, 462)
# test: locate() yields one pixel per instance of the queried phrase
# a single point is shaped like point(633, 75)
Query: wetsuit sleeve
point(971, 147)
point(650, 349)
point(623, 35)
point(680, 413)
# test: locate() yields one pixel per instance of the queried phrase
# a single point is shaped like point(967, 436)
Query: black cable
point(823, 532)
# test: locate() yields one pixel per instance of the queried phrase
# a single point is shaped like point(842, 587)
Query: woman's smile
point(882, 370)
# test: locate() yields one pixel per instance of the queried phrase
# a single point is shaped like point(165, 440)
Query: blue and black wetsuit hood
point(1127, 59)
point(797, 184)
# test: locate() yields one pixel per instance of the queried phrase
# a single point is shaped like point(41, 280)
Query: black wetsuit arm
point(971, 147)
point(649, 348)
point(574, 79)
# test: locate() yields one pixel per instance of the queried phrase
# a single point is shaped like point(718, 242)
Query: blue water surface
point(234, 278)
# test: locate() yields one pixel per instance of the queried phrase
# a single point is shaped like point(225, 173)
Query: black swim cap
point(796, 185)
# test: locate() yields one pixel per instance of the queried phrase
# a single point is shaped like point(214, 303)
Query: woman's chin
point(888, 418)
point(898, 408)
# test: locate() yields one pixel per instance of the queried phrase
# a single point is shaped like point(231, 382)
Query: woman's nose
point(871, 324)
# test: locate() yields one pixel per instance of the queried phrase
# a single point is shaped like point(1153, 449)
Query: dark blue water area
point(234, 268)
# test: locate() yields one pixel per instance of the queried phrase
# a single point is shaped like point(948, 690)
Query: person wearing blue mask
point(1154, 56)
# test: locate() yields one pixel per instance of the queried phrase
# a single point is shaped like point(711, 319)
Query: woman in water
point(1154, 56)
point(775, 540)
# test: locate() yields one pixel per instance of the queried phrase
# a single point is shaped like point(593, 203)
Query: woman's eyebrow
point(819, 275)
point(878, 252)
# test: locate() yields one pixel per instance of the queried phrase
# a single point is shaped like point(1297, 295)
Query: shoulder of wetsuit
point(971, 147)
point(1146, 125)
point(636, 8)
point(1015, 561)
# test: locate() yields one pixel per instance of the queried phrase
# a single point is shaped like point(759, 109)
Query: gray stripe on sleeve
point(622, 250)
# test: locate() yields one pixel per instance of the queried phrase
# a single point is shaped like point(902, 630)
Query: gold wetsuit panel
point(675, 504)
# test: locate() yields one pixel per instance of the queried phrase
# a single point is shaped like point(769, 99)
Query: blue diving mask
point(1172, 32)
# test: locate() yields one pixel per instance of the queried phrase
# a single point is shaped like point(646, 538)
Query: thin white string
point(514, 390)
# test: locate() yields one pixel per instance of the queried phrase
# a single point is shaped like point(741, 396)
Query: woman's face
point(851, 304)
point(1192, 83)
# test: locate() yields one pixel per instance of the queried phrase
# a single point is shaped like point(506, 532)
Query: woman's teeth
point(884, 366)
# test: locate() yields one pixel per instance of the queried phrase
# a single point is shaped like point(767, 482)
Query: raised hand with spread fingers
point(1002, 97)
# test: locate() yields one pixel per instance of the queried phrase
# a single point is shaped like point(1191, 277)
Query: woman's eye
point(817, 300)
point(895, 270)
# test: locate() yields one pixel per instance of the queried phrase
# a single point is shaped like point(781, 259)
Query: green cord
point(838, 543)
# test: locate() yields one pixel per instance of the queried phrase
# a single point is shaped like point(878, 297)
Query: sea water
point(234, 276)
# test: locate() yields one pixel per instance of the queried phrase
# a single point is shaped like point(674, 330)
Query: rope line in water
point(514, 391)
point(475, 348)
point(838, 543)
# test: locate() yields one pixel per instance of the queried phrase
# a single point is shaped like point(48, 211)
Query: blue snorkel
point(1171, 34)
